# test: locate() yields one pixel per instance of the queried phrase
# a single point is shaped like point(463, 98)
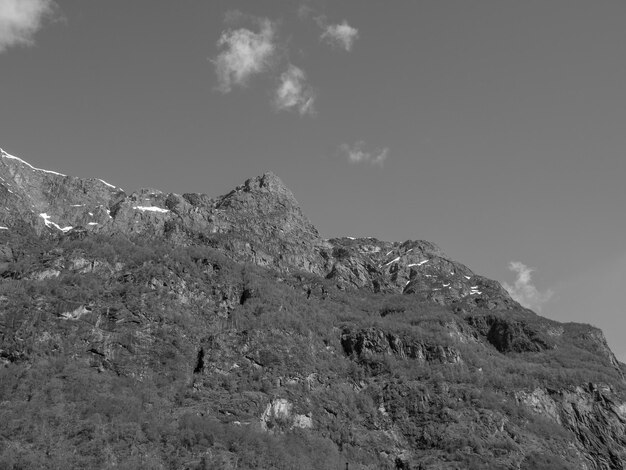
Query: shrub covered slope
point(155, 330)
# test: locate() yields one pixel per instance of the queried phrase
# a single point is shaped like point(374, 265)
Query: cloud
point(245, 53)
point(20, 20)
point(523, 290)
point(232, 17)
point(294, 93)
point(304, 11)
point(356, 153)
point(339, 35)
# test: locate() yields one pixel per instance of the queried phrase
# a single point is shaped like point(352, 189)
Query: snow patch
point(48, 222)
point(92, 223)
point(4, 228)
point(418, 264)
point(108, 184)
point(150, 209)
point(392, 261)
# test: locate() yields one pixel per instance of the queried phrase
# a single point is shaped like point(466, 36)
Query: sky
point(493, 128)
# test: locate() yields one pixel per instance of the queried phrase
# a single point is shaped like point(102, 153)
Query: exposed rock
point(373, 341)
point(45, 274)
point(592, 414)
point(540, 402)
point(74, 314)
point(68, 201)
point(510, 335)
point(278, 415)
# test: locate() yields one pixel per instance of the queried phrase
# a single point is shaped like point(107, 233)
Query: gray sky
point(496, 129)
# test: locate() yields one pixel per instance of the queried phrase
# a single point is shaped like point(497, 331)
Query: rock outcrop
point(592, 413)
point(373, 341)
point(50, 201)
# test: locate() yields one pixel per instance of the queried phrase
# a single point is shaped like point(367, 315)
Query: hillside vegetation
point(224, 333)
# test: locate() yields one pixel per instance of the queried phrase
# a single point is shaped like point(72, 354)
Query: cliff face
point(185, 331)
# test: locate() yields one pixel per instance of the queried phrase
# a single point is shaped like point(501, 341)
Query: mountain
point(154, 330)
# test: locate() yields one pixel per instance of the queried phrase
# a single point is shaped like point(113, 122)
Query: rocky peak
point(263, 221)
point(266, 182)
point(261, 216)
point(268, 189)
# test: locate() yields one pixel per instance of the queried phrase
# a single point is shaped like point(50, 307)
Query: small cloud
point(245, 53)
point(20, 20)
point(304, 11)
point(356, 153)
point(232, 17)
point(339, 35)
point(294, 93)
point(523, 290)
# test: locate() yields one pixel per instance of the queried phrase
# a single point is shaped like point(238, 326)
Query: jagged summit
point(261, 216)
point(259, 221)
point(268, 181)
point(267, 186)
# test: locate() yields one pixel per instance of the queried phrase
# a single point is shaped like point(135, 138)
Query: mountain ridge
point(151, 210)
point(385, 354)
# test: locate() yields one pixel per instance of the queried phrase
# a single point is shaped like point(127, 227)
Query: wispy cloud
point(304, 11)
point(245, 53)
point(20, 20)
point(294, 92)
point(357, 153)
point(523, 290)
point(339, 35)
